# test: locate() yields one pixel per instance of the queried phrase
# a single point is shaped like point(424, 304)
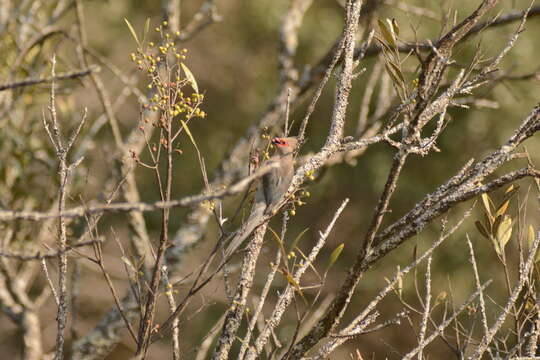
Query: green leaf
point(504, 232)
point(335, 255)
point(190, 135)
point(279, 241)
point(496, 225)
point(387, 33)
point(394, 76)
point(297, 239)
point(481, 229)
point(190, 77)
point(398, 72)
point(133, 33)
point(188, 132)
point(386, 48)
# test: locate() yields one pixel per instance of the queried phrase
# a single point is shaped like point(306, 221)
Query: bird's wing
point(270, 182)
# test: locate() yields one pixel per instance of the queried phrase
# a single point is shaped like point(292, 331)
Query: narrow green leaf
point(297, 239)
point(188, 132)
point(386, 48)
point(398, 72)
point(481, 229)
point(335, 255)
point(387, 33)
point(279, 241)
point(190, 77)
point(133, 33)
point(394, 76)
point(496, 224)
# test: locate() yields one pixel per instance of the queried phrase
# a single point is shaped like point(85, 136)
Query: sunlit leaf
point(387, 33)
point(504, 232)
point(190, 77)
point(486, 201)
point(188, 132)
point(133, 33)
point(395, 26)
point(293, 283)
point(530, 236)
point(335, 255)
point(502, 209)
point(128, 264)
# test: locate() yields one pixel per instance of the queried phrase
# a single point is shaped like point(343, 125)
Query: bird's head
point(285, 145)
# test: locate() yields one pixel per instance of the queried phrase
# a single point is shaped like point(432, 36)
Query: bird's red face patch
point(279, 141)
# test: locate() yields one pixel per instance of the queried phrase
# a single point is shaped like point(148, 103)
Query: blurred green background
point(235, 63)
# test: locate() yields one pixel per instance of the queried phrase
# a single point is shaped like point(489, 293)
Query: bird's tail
point(257, 212)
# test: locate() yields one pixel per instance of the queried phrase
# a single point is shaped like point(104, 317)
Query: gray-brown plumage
point(270, 190)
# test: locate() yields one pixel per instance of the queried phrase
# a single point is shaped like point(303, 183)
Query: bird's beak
point(277, 141)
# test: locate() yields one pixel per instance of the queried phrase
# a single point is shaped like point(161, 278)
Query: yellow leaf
point(395, 26)
point(335, 255)
point(146, 29)
point(502, 209)
point(530, 236)
point(486, 201)
point(133, 33)
point(504, 232)
point(294, 284)
point(190, 77)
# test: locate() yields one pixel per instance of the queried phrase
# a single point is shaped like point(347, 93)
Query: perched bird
point(270, 190)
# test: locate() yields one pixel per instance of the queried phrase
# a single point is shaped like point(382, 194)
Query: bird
point(273, 186)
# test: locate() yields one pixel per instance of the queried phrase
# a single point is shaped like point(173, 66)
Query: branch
point(35, 81)
point(82, 211)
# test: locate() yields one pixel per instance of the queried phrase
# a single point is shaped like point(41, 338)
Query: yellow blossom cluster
point(163, 62)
